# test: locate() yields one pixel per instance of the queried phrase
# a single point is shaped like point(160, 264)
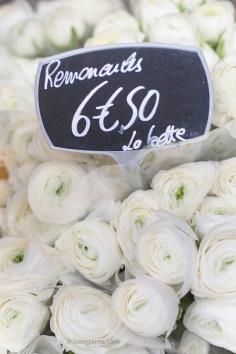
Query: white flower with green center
point(20, 139)
point(21, 222)
point(216, 263)
point(58, 192)
point(174, 29)
point(167, 251)
point(27, 267)
point(148, 11)
point(213, 320)
point(180, 190)
point(224, 82)
point(214, 211)
point(43, 345)
point(27, 39)
point(225, 185)
point(191, 343)
point(213, 18)
point(91, 248)
point(11, 14)
point(22, 319)
point(141, 302)
point(85, 314)
point(64, 29)
point(135, 212)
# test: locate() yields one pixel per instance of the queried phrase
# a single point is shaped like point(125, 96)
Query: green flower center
point(60, 190)
point(140, 222)
point(18, 258)
point(11, 315)
point(179, 194)
point(88, 252)
point(139, 304)
point(227, 263)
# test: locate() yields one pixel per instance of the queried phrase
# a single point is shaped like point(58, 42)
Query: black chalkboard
point(123, 97)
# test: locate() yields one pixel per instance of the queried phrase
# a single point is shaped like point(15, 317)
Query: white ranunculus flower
point(92, 249)
point(26, 267)
point(216, 263)
point(167, 251)
point(12, 13)
point(140, 302)
point(224, 80)
point(148, 11)
point(227, 43)
point(193, 344)
point(174, 29)
point(119, 19)
point(21, 222)
point(58, 192)
point(22, 319)
point(214, 320)
point(26, 38)
point(213, 18)
point(214, 211)
point(135, 212)
point(43, 345)
point(16, 96)
point(5, 192)
point(181, 190)
point(225, 184)
point(83, 319)
point(115, 36)
point(64, 28)
point(210, 56)
point(20, 140)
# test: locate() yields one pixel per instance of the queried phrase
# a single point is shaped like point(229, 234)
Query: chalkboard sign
point(123, 98)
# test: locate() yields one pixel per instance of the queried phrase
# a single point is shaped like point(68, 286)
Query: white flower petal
point(140, 302)
point(180, 190)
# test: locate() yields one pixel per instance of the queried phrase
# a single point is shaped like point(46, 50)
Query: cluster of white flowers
point(100, 256)
point(52, 26)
